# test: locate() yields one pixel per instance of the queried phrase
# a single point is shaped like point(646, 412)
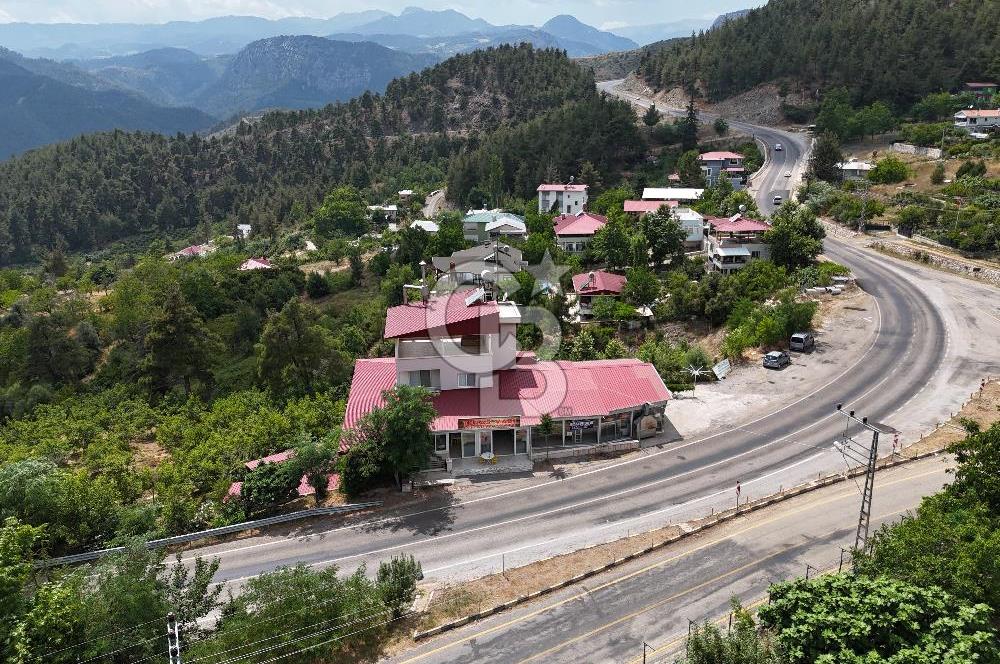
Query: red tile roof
point(439, 313)
point(737, 224)
point(604, 283)
point(561, 389)
point(280, 457)
point(562, 187)
point(584, 223)
point(719, 156)
point(648, 206)
point(980, 113)
point(256, 264)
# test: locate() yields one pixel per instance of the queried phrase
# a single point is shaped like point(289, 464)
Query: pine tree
point(652, 116)
point(689, 132)
point(825, 159)
point(179, 346)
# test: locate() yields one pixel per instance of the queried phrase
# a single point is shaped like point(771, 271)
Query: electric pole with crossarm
point(853, 449)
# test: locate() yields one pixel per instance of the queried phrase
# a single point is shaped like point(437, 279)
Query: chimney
point(406, 296)
point(425, 293)
point(423, 270)
point(591, 280)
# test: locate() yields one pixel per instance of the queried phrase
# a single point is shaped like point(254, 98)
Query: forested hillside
point(893, 50)
point(96, 189)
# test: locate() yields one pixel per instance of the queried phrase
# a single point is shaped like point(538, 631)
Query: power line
point(323, 643)
point(100, 636)
point(271, 638)
point(303, 638)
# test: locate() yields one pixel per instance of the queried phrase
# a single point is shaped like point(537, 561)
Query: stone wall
point(906, 148)
point(956, 265)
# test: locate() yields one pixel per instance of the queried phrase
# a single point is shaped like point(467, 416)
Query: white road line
point(615, 466)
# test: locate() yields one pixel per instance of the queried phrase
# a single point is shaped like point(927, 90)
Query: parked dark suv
point(802, 341)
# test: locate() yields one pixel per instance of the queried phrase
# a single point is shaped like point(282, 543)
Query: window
point(485, 442)
point(441, 442)
point(754, 254)
point(429, 378)
point(466, 380)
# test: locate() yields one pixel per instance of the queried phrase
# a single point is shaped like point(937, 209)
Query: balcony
point(431, 348)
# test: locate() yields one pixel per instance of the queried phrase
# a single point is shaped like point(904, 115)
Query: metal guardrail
point(212, 532)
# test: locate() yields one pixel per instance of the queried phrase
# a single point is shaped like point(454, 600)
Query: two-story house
point(593, 285)
point(978, 120)
point(574, 232)
point(562, 198)
point(466, 266)
point(490, 399)
point(732, 242)
point(716, 165)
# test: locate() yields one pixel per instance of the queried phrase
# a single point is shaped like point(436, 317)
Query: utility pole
point(852, 447)
point(173, 639)
point(864, 207)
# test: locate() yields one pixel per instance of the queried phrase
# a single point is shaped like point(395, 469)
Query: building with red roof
point(590, 286)
point(256, 264)
point(732, 242)
point(575, 231)
point(719, 164)
point(562, 198)
point(978, 119)
point(489, 397)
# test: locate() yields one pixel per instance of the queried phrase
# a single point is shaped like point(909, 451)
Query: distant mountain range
point(36, 109)
point(654, 32)
point(228, 34)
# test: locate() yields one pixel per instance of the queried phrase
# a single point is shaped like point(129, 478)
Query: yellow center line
point(652, 566)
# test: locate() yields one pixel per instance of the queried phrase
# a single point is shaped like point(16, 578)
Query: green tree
point(745, 643)
point(689, 169)
point(825, 159)
point(615, 350)
point(179, 346)
point(796, 236)
point(612, 243)
point(296, 355)
point(343, 212)
point(611, 200)
point(397, 583)
point(269, 484)
point(642, 288)
point(393, 439)
point(689, 128)
point(845, 618)
point(651, 117)
point(665, 235)
point(889, 171)
point(937, 176)
point(582, 347)
point(877, 118)
point(721, 126)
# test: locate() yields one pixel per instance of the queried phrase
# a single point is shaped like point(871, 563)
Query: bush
point(397, 583)
point(889, 171)
point(317, 285)
point(937, 176)
point(971, 168)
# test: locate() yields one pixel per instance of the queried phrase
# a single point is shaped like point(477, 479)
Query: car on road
point(777, 199)
point(788, 174)
point(802, 341)
point(776, 359)
point(777, 147)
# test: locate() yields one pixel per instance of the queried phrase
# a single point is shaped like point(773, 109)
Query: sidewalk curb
point(707, 523)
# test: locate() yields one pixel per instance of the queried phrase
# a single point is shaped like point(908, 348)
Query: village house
point(732, 242)
point(591, 286)
point(982, 91)
point(383, 212)
point(574, 232)
point(693, 224)
point(562, 198)
point(481, 225)
point(681, 194)
point(194, 251)
point(639, 208)
point(852, 169)
point(978, 120)
point(490, 398)
point(716, 165)
point(467, 266)
point(426, 225)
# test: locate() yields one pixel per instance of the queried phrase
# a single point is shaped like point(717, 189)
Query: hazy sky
point(602, 13)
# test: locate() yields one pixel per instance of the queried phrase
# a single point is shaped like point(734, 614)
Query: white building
point(977, 120)
point(426, 225)
point(671, 194)
point(852, 169)
point(562, 198)
point(732, 242)
point(693, 224)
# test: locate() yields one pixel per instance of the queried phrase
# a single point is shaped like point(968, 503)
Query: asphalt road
point(674, 483)
point(607, 618)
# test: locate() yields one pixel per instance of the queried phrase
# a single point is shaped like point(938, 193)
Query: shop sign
point(489, 423)
point(579, 425)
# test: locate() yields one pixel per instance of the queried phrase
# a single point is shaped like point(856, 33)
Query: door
point(468, 444)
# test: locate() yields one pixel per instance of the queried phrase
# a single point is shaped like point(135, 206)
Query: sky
point(602, 13)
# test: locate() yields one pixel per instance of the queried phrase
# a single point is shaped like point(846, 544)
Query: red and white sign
point(490, 423)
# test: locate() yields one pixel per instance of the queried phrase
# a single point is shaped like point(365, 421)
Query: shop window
point(441, 442)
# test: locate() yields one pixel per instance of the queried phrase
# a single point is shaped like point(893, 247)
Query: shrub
point(397, 583)
point(937, 176)
point(889, 171)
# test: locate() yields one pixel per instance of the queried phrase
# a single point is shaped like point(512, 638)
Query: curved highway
point(673, 483)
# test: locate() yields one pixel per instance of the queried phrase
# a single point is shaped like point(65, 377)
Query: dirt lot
point(751, 389)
